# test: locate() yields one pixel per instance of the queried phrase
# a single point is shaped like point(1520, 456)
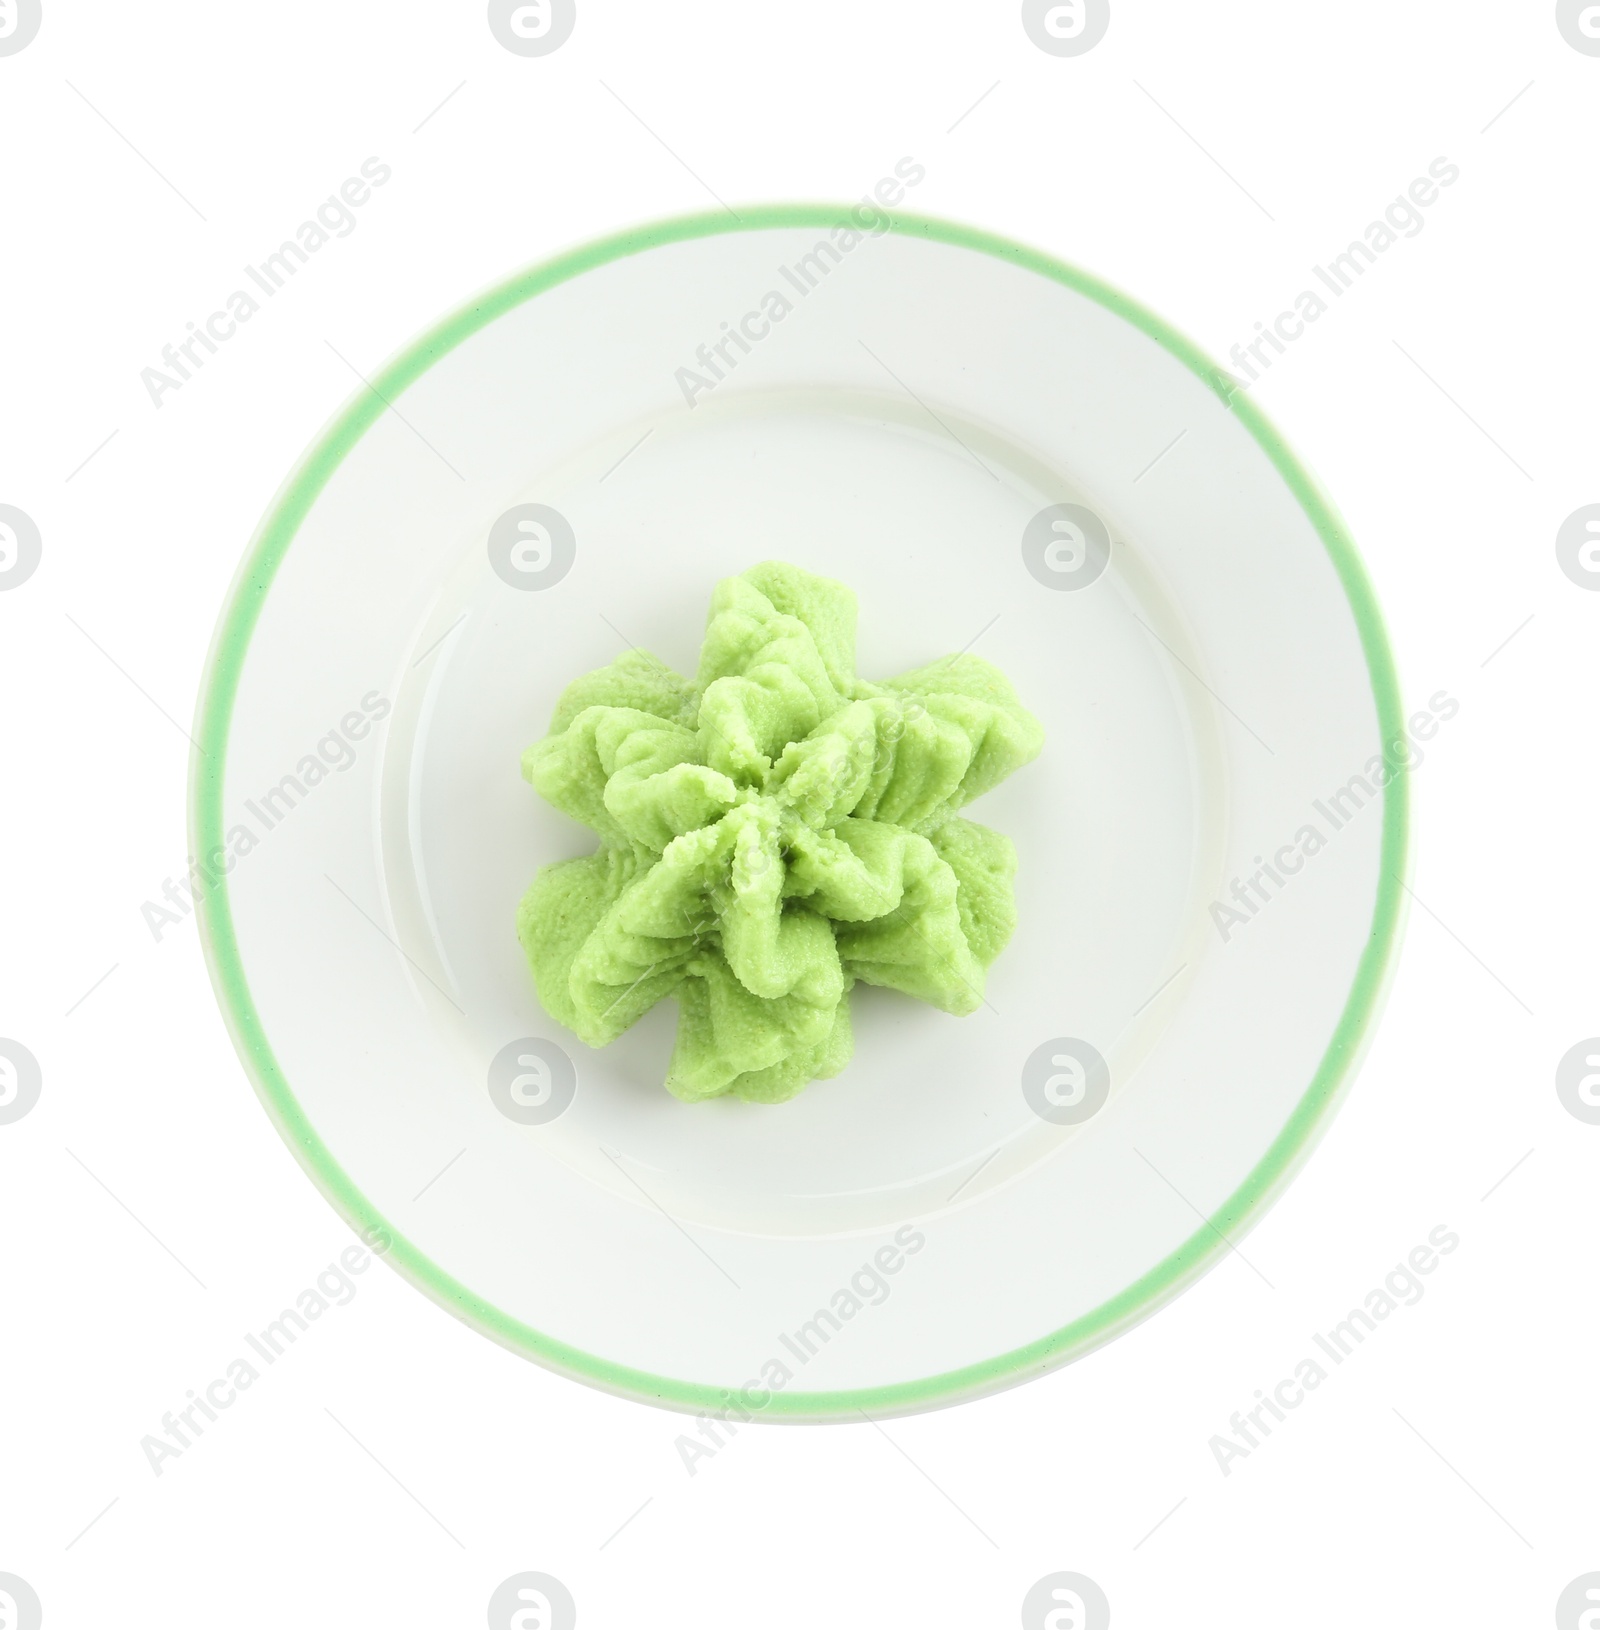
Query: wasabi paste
point(771, 832)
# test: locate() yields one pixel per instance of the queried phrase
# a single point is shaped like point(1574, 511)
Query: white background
point(395, 1467)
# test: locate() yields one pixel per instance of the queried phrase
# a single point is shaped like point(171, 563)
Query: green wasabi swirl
point(771, 832)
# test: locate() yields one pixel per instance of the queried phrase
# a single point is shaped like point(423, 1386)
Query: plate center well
point(1117, 825)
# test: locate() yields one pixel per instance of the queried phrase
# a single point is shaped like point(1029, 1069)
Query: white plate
point(1207, 697)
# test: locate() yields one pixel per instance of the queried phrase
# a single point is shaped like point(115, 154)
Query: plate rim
point(219, 683)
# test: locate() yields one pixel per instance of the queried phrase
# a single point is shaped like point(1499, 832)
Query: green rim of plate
point(219, 688)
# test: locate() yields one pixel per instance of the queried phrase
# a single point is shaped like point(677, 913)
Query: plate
point(998, 453)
